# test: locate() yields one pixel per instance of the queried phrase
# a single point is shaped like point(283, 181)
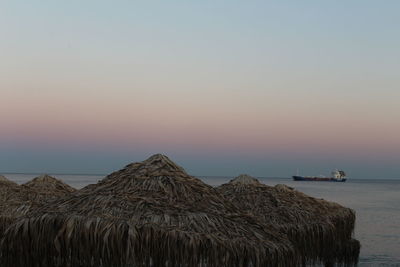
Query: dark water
point(376, 202)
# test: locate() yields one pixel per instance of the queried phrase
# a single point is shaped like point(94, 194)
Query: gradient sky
point(222, 87)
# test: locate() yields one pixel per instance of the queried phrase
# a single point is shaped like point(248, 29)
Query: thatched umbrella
point(49, 186)
point(321, 230)
point(150, 213)
point(17, 200)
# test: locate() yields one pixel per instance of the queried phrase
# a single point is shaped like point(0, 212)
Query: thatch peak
point(49, 184)
point(44, 178)
point(283, 188)
point(156, 162)
point(157, 169)
point(3, 179)
point(159, 157)
point(245, 180)
point(155, 174)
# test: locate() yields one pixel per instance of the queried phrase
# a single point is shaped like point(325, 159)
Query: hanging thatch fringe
point(5, 221)
point(81, 241)
point(14, 202)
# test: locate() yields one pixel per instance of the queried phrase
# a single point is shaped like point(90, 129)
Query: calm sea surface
point(376, 202)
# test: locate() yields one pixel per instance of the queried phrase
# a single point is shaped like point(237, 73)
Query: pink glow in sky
point(265, 80)
point(213, 120)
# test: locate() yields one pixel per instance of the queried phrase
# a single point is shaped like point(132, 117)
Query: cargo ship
point(337, 176)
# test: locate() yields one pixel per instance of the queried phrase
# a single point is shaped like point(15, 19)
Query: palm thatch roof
point(321, 230)
point(150, 213)
point(49, 186)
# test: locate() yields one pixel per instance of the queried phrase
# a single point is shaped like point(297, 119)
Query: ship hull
point(318, 179)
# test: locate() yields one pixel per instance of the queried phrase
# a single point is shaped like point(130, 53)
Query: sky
point(221, 87)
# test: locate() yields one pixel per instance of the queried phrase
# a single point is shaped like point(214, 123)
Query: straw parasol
point(150, 213)
point(17, 200)
point(320, 230)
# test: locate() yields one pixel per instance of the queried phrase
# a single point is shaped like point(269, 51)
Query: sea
point(375, 201)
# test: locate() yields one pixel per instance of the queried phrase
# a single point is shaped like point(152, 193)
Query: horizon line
point(208, 176)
